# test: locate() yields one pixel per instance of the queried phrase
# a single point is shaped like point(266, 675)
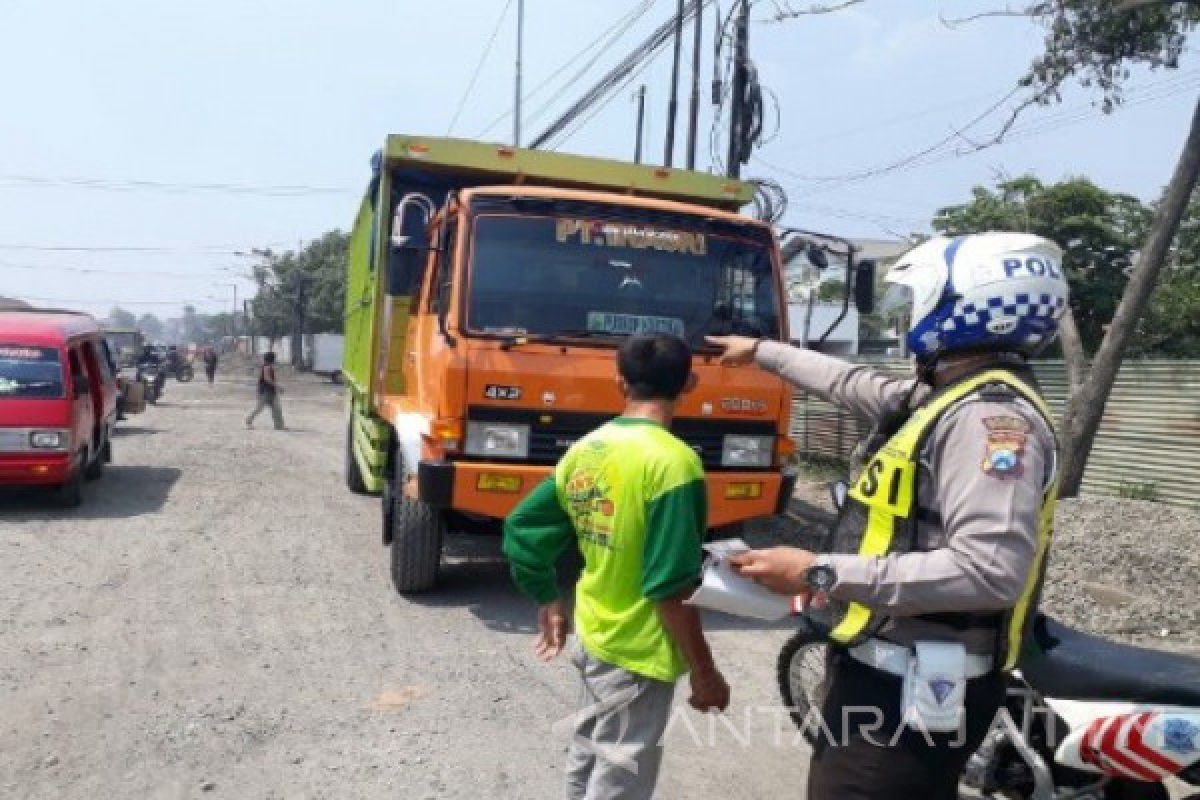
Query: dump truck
point(489, 288)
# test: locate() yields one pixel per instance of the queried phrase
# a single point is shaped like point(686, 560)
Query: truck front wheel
point(417, 529)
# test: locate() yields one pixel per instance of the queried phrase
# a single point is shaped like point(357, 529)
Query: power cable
point(616, 92)
point(639, 9)
point(478, 68)
point(282, 190)
point(937, 153)
point(206, 250)
point(98, 271)
point(617, 74)
point(617, 32)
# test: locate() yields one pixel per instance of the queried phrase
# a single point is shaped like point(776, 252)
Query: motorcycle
point(179, 368)
point(1087, 718)
point(155, 379)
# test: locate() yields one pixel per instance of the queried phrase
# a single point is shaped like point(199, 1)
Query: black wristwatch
point(820, 578)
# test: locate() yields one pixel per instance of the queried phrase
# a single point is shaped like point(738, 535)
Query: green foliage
point(120, 318)
point(310, 283)
point(152, 326)
point(1170, 327)
point(1100, 232)
point(1096, 42)
point(831, 291)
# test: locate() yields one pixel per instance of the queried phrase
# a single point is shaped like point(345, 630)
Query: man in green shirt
point(631, 496)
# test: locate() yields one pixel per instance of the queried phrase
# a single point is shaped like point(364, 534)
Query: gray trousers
point(615, 752)
point(268, 401)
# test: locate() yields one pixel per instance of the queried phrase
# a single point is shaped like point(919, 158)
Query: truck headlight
point(499, 439)
point(48, 440)
point(747, 451)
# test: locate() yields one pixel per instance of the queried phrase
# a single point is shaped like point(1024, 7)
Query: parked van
point(58, 401)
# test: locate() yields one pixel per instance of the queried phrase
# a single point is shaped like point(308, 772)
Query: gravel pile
point(1127, 568)
point(1121, 568)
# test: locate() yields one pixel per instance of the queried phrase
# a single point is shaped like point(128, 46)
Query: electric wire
point(605, 36)
point(106, 184)
point(478, 68)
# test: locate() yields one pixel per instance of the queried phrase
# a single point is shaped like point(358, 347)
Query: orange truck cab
point(58, 401)
point(488, 291)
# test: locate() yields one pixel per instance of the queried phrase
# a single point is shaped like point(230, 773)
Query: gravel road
point(217, 620)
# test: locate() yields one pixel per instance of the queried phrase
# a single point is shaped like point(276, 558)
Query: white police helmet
point(1001, 292)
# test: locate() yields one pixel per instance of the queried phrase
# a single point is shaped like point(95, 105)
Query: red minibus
point(58, 401)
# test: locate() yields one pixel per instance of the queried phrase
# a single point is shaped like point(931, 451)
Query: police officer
point(936, 560)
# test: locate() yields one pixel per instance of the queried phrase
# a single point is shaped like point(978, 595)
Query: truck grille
point(552, 433)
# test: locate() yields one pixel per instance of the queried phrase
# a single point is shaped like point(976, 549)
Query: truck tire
point(70, 494)
point(354, 478)
point(417, 529)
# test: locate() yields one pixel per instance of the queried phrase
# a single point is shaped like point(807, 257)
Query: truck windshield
point(561, 276)
point(29, 372)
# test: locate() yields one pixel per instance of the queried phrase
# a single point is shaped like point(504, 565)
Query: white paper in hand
point(722, 589)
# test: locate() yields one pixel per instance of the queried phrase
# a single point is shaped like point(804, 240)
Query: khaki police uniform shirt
point(979, 556)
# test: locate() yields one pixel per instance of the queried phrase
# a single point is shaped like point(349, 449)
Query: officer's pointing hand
point(780, 569)
point(738, 350)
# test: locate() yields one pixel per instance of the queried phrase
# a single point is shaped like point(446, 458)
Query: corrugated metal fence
point(1149, 439)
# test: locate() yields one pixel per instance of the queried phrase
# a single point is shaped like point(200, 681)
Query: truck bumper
point(493, 490)
point(34, 469)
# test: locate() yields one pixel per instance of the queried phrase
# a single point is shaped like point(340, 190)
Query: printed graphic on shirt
point(1005, 446)
point(590, 505)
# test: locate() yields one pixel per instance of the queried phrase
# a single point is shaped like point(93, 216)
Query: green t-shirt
point(632, 497)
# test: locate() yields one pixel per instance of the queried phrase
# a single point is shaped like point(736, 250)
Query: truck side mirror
point(864, 286)
point(405, 266)
point(816, 256)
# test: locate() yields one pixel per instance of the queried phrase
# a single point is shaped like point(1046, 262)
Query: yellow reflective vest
point(880, 512)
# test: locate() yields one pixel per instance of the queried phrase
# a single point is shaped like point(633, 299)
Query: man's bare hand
point(709, 690)
point(552, 630)
point(738, 350)
point(780, 569)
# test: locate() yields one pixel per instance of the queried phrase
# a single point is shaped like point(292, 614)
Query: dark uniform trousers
point(859, 764)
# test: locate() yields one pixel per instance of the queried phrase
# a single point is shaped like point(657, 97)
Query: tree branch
point(1036, 9)
point(1134, 5)
point(787, 12)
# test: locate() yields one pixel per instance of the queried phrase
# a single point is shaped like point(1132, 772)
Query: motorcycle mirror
point(864, 286)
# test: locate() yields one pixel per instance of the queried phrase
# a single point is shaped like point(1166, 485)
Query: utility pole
point(741, 52)
point(249, 324)
point(694, 107)
point(300, 311)
point(673, 105)
point(641, 119)
point(517, 92)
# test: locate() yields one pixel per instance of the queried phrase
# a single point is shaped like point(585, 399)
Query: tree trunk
point(1075, 361)
point(1086, 407)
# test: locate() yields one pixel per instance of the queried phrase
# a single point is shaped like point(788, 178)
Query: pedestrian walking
point(630, 496)
point(268, 392)
point(210, 363)
point(940, 544)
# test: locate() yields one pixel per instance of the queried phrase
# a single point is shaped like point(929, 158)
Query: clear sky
point(163, 137)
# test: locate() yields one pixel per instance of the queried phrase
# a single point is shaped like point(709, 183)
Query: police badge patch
point(1005, 445)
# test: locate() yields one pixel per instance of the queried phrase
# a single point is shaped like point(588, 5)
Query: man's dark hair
point(268, 358)
point(656, 366)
